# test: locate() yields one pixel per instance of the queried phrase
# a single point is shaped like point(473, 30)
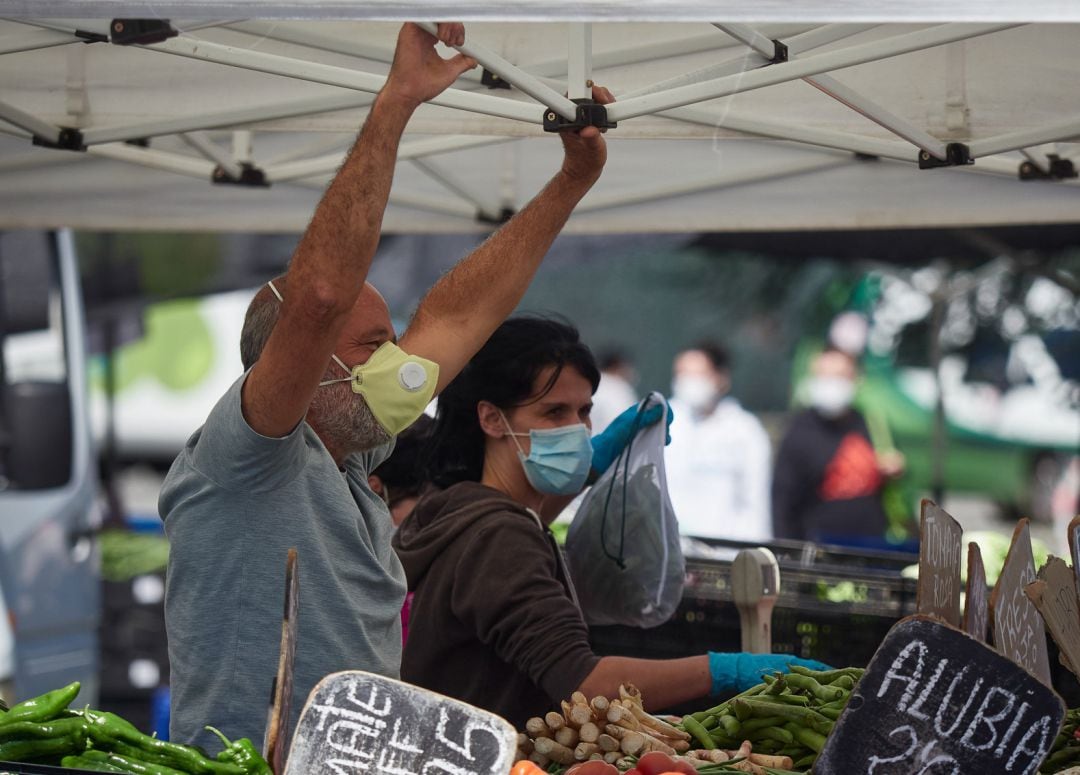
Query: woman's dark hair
point(503, 372)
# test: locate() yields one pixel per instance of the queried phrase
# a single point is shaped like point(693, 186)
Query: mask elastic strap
point(510, 432)
point(349, 378)
point(337, 360)
point(277, 293)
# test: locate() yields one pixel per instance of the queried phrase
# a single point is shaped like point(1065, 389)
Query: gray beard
point(345, 418)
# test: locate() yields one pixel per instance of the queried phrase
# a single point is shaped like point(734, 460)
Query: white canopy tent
point(819, 119)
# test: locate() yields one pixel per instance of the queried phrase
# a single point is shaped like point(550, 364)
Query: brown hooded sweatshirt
point(492, 621)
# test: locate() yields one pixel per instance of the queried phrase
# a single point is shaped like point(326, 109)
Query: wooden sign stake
point(1054, 594)
point(277, 725)
point(938, 590)
point(977, 605)
point(1073, 534)
point(1017, 626)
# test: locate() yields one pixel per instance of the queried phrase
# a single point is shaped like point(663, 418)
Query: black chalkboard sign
point(934, 701)
point(1073, 533)
point(356, 722)
point(938, 590)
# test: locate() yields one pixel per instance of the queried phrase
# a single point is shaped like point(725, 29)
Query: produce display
point(1066, 751)
point(597, 736)
point(46, 730)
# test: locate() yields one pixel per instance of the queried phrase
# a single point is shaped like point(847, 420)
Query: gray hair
point(262, 315)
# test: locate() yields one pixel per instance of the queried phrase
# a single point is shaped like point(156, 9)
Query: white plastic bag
point(623, 547)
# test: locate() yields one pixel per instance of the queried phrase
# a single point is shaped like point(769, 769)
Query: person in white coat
point(718, 463)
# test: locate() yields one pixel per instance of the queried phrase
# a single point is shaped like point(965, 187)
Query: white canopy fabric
point(712, 135)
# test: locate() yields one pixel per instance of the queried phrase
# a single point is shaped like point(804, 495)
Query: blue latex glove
point(733, 673)
point(607, 446)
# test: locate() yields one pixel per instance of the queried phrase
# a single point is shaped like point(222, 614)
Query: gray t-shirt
point(233, 504)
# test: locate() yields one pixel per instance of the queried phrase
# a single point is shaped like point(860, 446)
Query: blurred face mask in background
point(698, 392)
point(831, 396)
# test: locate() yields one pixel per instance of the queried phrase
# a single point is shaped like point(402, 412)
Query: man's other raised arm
point(330, 265)
point(462, 310)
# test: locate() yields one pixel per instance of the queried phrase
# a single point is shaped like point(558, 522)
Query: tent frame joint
point(68, 139)
point(493, 80)
point(88, 36)
point(250, 176)
point(140, 32)
point(589, 113)
point(780, 52)
point(504, 215)
point(1059, 169)
point(956, 155)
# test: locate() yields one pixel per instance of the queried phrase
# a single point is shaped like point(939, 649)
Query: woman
point(494, 620)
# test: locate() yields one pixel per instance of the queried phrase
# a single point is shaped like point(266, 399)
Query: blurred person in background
point(718, 462)
point(616, 389)
point(828, 480)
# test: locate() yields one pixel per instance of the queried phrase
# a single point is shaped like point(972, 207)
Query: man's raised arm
point(461, 311)
point(330, 265)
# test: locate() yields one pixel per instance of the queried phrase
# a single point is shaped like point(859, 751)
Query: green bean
point(731, 725)
point(806, 716)
point(808, 684)
point(828, 676)
point(699, 732)
point(779, 734)
point(808, 737)
point(710, 722)
point(723, 707)
point(753, 725)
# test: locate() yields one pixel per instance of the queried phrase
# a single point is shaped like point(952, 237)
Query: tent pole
point(434, 171)
point(160, 160)
point(1059, 132)
point(592, 202)
point(212, 152)
point(806, 41)
point(800, 68)
point(227, 118)
point(34, 41)
point(328, 163)
point(340, 76)
point(579, 61)
point(514, 75)
point(849, 97)
point(824, 138)
point(32, 124)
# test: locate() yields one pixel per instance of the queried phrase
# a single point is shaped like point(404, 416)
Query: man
point(616, 389)
point(828, 479)
point(283, 459)
point(718, 461)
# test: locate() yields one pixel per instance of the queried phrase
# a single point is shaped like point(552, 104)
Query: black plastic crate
point(835, 605)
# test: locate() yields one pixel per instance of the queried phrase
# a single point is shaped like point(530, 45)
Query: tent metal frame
point(753, 64)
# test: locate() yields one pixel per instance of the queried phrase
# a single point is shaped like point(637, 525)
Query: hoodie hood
point(440, 518)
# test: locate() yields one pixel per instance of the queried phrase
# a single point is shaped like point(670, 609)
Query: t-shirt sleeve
point(235, 457)
point(509, 591)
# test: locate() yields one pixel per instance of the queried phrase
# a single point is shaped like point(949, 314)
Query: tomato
point(525, 767)
point(593, 768)
point(656, 763)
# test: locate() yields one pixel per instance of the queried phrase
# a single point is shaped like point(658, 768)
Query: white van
point(49, 563)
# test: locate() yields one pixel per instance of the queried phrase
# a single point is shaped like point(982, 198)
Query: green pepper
point(243, 753)
point(29, 730)
point(43, 707)
point(111, 732)
point(127, 764)
point(85, 763)
point(40, 748)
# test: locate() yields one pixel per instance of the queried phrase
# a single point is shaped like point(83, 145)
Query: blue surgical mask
point(559, 459)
